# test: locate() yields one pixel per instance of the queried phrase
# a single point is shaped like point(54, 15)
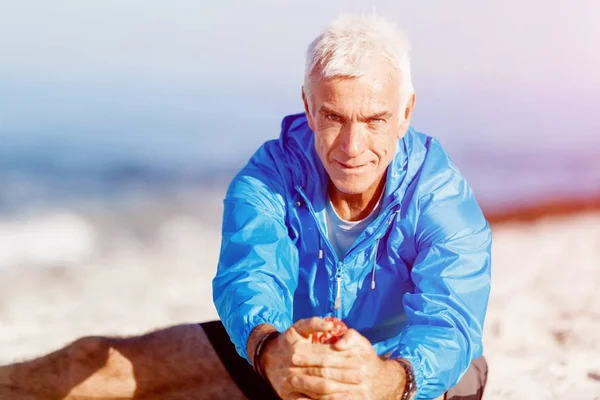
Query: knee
point(481, 366)
point(472, 385)
point(90, 349)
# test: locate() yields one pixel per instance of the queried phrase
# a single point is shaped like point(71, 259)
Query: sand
point(542, 333)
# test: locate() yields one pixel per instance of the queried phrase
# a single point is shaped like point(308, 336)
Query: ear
point(309, 116)
point(410, 106)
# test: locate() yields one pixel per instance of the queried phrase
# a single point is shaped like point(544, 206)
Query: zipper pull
point(338, 299)
point(392, 217)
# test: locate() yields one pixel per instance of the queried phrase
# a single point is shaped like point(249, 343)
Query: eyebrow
point(379, 115)
point(327, 110)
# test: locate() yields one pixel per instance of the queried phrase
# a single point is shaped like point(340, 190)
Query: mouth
point(350, 167)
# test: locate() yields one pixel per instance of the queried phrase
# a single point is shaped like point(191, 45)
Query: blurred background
point(121, 123)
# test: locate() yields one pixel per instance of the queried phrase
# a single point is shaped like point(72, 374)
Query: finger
point(337, 374)
point(352, 338)
point(305, 327)
point(316, 385)
point(329, 359)
point(297, 396)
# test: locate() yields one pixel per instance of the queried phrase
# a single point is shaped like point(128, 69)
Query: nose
point(353, 138)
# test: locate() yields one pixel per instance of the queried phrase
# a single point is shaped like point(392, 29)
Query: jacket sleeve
point(452, 272)
point(257, 271)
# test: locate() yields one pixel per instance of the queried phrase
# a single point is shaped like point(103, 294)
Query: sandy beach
point(542, 333)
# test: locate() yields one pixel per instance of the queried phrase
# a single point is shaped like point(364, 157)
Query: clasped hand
point(349, 369)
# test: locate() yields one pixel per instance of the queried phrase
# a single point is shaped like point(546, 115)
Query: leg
point(177, 363)
point(472, 384)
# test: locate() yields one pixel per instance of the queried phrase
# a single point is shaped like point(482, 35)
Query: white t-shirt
point(341, 233)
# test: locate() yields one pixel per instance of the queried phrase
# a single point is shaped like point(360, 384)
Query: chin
point(350, 187)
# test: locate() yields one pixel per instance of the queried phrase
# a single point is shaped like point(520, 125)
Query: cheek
point(322, 147)
point(385, 148)
point(325, 141)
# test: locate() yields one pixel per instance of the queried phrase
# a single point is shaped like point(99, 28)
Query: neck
point(355, 207)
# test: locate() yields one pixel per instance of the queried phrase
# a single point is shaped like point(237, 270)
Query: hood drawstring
point(374, 265)
point(313, 274)
point(377, 247)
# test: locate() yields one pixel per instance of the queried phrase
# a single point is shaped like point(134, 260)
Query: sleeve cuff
point(281, 324)
point(417, 370)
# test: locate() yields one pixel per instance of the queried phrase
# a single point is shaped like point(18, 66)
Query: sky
point(194, 41)
point(197, 79)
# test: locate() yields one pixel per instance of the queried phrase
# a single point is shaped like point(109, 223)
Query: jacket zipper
point(337, 303)
point(337, 306)
point(314, 215)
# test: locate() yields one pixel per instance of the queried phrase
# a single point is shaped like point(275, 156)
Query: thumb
point(306, 327)
point(352, 338)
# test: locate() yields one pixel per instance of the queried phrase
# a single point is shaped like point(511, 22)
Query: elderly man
point(351, 213)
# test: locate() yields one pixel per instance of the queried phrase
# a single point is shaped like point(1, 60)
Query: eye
point(333, 117)
point(376, 121)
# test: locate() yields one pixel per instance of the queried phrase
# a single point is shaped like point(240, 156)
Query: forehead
point(379, 85)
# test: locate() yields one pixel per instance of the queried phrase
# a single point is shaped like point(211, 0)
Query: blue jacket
point(428, 253)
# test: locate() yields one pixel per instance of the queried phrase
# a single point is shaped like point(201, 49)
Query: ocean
point(102, 146)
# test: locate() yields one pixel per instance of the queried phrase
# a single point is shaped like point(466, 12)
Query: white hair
point(350, 46)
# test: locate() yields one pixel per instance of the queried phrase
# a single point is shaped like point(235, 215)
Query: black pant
point(470, 387)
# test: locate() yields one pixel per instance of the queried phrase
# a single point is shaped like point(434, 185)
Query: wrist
point(410, 388)
point(260, 356)
point(255, 337)
point(259, 341)
point(397, 377)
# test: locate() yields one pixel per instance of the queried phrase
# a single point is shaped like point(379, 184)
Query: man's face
point(357, 122)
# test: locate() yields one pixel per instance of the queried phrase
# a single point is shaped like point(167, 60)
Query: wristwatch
point(410, 387)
